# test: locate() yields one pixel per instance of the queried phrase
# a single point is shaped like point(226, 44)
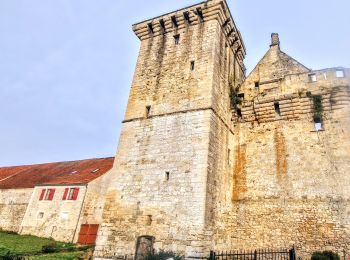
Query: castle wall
point(142, 200)
point(60, 217)
point(159, 186)
point(13, 205)
point(290, 184)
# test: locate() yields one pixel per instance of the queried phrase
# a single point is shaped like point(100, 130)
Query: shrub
point(50, 248)
point(163, 255)
point(325, 255)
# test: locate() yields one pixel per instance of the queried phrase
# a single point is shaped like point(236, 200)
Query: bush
point(163, 255)
point(50, 248)
point(325, 255)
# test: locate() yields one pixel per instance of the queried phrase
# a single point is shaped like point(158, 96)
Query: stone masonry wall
point(291, 184)
point(13, 205)
point(60, 217)
point(93, 205)
point(142, 200)
point(159, 185)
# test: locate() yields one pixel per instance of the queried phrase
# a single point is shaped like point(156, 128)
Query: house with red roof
point(61, 200)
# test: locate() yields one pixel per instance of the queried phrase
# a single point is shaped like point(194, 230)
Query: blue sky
point(66, 66)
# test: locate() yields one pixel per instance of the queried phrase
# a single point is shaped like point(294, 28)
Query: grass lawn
point(59, 256)
point(27, 245)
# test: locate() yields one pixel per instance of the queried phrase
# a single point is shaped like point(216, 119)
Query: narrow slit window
point(229, 157)
point(177, 39)
point(148, 110)
point(174, 21)
point(192, 65)
point(340, 73)
point(239, 113)
point(256, 84)
point(277, 108)
point(167, 176)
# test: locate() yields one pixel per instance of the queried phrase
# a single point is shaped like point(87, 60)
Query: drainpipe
point(81, 209)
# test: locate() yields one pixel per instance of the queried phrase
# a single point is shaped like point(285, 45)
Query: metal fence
point(259, 254)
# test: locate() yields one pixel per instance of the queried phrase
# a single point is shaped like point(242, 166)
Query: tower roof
point(276, 64)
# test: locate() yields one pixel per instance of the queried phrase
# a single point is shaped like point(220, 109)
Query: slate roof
point(58, 173)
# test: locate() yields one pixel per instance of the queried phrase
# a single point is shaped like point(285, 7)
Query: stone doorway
point(144, 246)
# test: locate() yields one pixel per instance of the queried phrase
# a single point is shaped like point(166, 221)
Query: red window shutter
point(75, 193)
point(51, 194)
point(65, 193)
point(42, 194)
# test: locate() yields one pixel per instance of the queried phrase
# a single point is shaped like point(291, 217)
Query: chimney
point(275, 40)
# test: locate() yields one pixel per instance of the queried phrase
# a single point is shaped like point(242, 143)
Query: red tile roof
point(59, 173)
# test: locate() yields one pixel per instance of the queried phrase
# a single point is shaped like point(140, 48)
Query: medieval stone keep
point(209, 159)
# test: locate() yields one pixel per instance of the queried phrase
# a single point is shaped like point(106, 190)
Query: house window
point(192, 65)
point(70, 194)
point(312, 77)
point(177, 39)
point(47, 194)
point(64, 215)
point(340, 73)
point(256, 84)
point(167, 176)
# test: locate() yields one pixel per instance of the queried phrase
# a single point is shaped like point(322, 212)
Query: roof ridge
point(48, 163)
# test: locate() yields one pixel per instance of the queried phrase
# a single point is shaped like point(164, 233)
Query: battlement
point(291, 99)
point(194, 15)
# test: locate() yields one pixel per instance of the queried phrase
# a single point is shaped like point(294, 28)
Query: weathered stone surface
point(13, 205)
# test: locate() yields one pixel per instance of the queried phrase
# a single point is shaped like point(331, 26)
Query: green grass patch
point(58, 256)
point(12, 244)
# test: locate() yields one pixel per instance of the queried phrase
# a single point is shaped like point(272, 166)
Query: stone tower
point(175, 138)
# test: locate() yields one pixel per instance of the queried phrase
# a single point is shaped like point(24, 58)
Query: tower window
point(277, 108)
point(239, 113)
point(318, 124)
point(167, 176)
point(150, 28)
point(187, 17)
point(192, 65)
point(312, 77)
point(174, 21)
point(148, 110)
point(177, 39)
point(229, 157)
point(339, 73)
point(256, 84)
point(241, 96)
